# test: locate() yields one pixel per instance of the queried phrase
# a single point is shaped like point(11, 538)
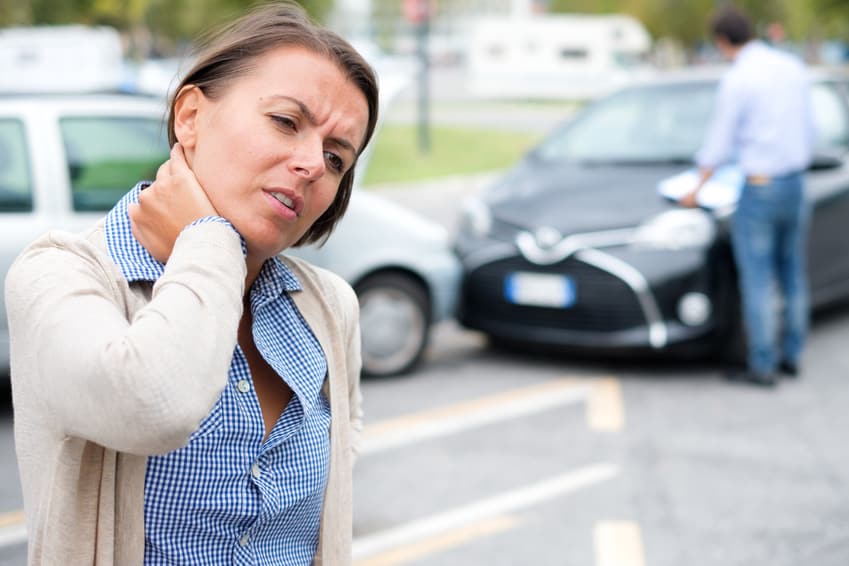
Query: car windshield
point(640, 125)
point(667, 124)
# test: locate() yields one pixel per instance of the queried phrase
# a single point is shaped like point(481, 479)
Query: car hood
point(575, 198)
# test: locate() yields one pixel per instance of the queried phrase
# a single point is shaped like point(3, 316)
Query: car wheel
point(394, 320)
point(734, 347)
point(733, 344)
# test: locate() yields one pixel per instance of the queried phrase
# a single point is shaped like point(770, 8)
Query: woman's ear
point(186, 108)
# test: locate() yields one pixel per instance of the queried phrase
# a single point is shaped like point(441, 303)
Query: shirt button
point(243, 542)
point(255, 471)
point(243, 386)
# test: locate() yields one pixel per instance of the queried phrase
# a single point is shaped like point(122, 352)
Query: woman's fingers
point(185, 178)
point(172, 202)
point(164, 170)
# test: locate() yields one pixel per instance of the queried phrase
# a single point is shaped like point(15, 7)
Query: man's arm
point(690, 200)
point(719, 142)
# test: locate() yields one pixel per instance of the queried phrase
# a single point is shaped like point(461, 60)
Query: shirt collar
point(129, 255)
point(137, 264)
point(748, 50)
point(274, 279)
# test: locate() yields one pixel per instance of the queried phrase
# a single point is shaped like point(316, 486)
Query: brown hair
point(731, 23)
point(232, 51)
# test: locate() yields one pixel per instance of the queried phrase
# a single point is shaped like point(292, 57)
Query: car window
point(108, 155)
point(15, 177)
point(830, 119)
point(649, 124)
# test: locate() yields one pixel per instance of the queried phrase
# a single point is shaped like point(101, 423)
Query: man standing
point(763, 120)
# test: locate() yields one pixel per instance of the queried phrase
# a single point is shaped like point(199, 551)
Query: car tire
point(734, 349)
point(394, 323)
point(733, 345)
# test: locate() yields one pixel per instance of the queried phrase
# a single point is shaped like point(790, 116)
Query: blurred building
point(573, 56)
point(384, 22)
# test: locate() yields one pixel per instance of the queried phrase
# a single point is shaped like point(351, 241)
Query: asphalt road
point(553, 461)
point(488, 457)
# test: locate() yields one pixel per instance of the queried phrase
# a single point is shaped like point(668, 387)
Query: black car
point(574, 247)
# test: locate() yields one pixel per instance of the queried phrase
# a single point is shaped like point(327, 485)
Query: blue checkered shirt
point(228, 496)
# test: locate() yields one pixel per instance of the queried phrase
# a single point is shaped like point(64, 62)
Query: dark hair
point(232, 52)
point(732, 24)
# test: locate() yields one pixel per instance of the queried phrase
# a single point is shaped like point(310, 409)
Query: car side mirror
point(825, 160)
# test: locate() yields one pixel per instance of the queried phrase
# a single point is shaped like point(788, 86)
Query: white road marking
point(618, 543)
point(443, 421)
point(504, 503)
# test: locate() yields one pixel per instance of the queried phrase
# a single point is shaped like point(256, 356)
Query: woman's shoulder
point(58, 247)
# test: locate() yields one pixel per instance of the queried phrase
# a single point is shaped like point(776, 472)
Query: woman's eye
point(335, 161)
point(285, 122)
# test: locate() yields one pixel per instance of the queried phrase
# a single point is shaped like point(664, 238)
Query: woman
point(182, 394)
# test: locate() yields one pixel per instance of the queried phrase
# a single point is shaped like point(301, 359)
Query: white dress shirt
point(763, 117)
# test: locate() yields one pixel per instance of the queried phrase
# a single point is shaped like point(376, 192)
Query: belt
point(758, 180)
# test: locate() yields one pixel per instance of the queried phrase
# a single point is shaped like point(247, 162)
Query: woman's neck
point(254, 267)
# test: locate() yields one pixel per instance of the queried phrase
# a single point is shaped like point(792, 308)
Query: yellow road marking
point(475, 405)
point(433, 545)
point(450, 419)
point(618, 543)
point(11, 519)
point(605, 412)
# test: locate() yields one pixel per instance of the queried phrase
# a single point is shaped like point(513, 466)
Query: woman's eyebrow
point(304, 109)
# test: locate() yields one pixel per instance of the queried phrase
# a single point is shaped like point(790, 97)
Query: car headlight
point(476, 218)
point(675, 230)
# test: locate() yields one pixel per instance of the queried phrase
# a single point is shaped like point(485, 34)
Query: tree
point(171, 22)
point(833, 17)
point(687, 21)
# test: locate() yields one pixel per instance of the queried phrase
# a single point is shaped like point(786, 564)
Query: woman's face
point(271, 149)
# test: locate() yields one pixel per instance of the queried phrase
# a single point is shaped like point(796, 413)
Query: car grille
point(604, 303)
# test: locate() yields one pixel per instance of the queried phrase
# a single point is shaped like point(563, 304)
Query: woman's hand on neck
point(172, 202)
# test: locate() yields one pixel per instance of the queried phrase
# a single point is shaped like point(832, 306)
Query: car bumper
point(444, 277)
point(625, 299)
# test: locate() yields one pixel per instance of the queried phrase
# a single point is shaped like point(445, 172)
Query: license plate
point(540, 289)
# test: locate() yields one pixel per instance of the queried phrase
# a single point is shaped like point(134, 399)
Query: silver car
point(66, 159)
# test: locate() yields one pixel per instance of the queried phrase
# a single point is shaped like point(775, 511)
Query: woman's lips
point(286, 202)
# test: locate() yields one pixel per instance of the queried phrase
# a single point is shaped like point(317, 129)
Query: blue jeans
point(769, 234)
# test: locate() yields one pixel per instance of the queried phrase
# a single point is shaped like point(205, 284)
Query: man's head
point(731, 29)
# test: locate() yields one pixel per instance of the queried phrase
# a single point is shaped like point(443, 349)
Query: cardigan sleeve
point(354, 365)
point(140, 386)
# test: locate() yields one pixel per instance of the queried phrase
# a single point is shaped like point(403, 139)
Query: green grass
point(453, 151)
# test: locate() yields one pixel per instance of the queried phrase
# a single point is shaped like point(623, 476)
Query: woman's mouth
point(286, 202)
point(284, 199)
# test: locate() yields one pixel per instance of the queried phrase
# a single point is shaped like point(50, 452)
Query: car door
point(19, 219)
point(828, 191)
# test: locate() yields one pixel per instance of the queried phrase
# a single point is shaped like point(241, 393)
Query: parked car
point(66, 159)
point(574, 248)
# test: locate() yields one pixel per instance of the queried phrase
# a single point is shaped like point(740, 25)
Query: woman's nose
point(308, 159)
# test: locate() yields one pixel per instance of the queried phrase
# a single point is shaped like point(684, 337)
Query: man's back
point(773, 95)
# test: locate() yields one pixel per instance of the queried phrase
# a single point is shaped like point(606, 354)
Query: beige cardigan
point(105, 374)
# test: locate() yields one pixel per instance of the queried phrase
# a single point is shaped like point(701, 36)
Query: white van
point(573, 56)
point(60, 59)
